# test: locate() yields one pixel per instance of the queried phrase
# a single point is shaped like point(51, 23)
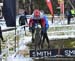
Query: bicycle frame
point(37, 36)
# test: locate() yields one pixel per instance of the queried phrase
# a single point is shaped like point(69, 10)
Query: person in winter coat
point(23, 21)
point(68, 15)
point(1, 36)
point(38, 17)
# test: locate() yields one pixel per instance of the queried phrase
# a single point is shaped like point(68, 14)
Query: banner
point(66, 52)
point(49, 4)
point(9, 12)
point(43, 53)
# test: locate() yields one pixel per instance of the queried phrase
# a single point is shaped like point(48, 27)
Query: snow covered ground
point(27, 39)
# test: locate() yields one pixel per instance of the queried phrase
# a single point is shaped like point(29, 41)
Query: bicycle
point(37, 36)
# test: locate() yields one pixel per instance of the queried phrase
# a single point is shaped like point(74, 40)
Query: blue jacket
point(46, 24)
point(46, 20)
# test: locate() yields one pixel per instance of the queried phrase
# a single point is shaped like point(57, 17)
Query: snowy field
point(26, 39)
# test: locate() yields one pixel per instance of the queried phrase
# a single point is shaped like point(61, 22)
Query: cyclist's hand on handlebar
point(38, 26)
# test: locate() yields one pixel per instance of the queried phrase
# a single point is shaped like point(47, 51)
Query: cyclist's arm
point(30, 22)
point(46, 19)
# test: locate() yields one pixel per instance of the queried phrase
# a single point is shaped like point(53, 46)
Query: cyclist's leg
point(43, 39)
point(46, 36)
point(33, 36)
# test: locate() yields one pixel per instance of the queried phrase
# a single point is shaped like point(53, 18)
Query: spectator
point(1, 38)
point(25, 12)
point(1, 34)
point(73, 12)
point(23, 21)
point(69, 15)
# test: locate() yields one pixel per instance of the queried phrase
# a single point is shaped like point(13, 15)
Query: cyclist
point(39, 15)
point(36, 18)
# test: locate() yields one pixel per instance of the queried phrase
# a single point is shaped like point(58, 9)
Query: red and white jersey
point(41, 18)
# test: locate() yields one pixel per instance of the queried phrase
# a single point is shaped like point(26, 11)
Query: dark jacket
point(68, 13)
point(22, 20)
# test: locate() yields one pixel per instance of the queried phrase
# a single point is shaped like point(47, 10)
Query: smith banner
point(49, 4)
point(52, 52)
point(43, 53)
point(9, 12)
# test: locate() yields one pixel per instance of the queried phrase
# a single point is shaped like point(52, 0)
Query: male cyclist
point(37, 16)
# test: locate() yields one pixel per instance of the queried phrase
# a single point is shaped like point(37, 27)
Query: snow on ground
point(19, 58)
point(27, 39)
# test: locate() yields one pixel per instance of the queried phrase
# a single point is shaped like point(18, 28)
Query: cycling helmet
point(36, 13)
